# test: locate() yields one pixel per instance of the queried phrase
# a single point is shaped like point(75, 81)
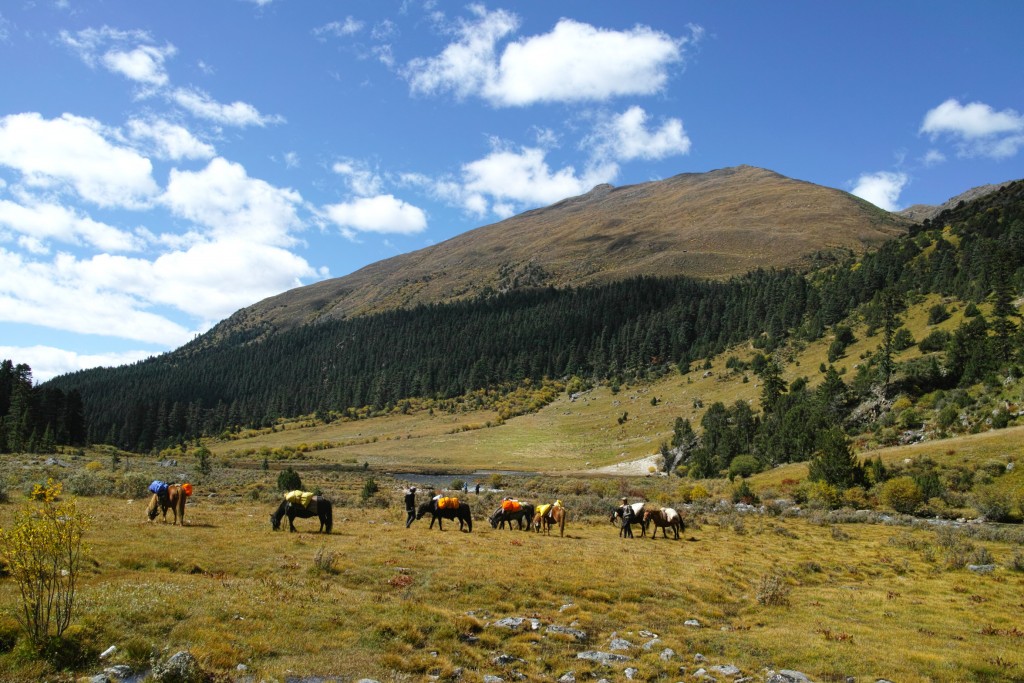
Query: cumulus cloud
point(143, 64)
point(574, 62)
point(41, 221)
point(223, 198)
point(169, 140)
point(626, 137)
point(47, 361)
point(75, 152)
point(131, 54)
point(382, 214)
point(361, 180)
point(240, 114)
point(881, 189)
point(978, 129)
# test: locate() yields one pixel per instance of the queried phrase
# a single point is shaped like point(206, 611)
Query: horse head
point(493, 519)
point(275, 517)
point(424, 509)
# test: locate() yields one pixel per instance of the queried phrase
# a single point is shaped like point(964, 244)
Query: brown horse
point(553, 515)
point(175, 501)
point(664, 518)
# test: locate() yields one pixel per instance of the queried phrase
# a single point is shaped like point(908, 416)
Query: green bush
point(289, 480)
point(992, 502)
point(901, 494)
point(743, 466)
point(935, 341)
point(937, 313)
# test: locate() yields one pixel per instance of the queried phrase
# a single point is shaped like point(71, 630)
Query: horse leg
point(291, 523)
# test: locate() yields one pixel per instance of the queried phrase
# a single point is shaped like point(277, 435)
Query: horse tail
point(328, 514)
point(561, 523)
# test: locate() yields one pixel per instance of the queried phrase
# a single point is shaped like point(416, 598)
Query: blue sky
point(165, 163)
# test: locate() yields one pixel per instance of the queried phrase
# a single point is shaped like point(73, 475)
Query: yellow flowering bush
point(42, 550)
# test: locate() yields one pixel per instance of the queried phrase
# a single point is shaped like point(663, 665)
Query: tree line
point(618, 331)
point(37, 419)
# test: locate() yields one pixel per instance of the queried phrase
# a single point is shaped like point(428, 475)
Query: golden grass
point(399, 604)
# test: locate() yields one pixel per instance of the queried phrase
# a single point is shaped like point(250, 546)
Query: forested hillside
point(629, 329)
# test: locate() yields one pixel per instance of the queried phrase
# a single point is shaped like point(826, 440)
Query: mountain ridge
point(711, 225)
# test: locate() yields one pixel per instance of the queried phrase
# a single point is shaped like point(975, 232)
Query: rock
point(651, 644)
point(981, 568)
point(631, 672)
point(574, 632)
point(605, 658)
point(513, 623)
point(367, 680)
point(98, 678)
point(620, 644)
point(787, 676)
point(568, 605)
point(726, 670)
point(568, 677)
point(182, 667)
point(119, 672)
point(667, 654)
point(699, 658)
point(493, 679)
point(692, 623)
point(505, 660)
point(109, 651)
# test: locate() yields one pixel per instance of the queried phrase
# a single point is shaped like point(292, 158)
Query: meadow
point(817, 594)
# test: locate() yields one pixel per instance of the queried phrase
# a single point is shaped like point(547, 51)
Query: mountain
point(921, 212)
point(710, 225)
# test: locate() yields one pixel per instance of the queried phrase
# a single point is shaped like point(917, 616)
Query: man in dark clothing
point(627, 519)
point(410, 505)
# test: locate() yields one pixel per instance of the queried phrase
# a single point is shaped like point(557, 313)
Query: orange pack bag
point(187, 488)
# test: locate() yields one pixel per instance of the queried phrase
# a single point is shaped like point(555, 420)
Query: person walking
point(627, 520)
point(410, 505)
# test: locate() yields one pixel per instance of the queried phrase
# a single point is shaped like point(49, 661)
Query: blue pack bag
point(158, 487)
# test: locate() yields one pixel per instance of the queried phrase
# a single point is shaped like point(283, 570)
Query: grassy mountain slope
point(708, 225)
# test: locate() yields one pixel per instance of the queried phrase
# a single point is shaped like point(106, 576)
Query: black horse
point(523, 514)
point(318, 507)
point(460, 513)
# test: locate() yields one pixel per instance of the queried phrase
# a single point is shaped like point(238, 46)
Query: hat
point(412, 488)
point(623, 500)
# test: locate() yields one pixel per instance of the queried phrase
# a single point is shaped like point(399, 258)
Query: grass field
point(376, 599)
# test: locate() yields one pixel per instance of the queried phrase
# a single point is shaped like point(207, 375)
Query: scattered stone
point(648, 634)
point(726, 670)
point(667, 654)
point(98, 678)
point(693, 623)
point(119, 672)
point(651, 644)
point(568, 677)
point(109, 651)
point(574, 632)
point(493, 679)
point(566, 606)
point(620, 644)
point(513, 623)
point(367, 680)
point(182, 667)
point(787, 676)
point(699, 658)
point(602, 657)
point(981, 568)
point(505, 660)
point(631, 672)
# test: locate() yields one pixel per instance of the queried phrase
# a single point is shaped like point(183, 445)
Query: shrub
point(43, 548)
point(772, 589)
point(698, 493)
point(744, 494)
point(289, 480)
point(87, 483)
point(902, 494)
point(743, 466)
point(855, 497)
point(937, 313)
point(818, 494)
point(902, 340)
point(993, 503)
point(936, 340)
point(369, 488)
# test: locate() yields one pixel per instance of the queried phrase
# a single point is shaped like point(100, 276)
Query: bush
point(818, 494)
point(902, 339)
point(935, 341)
point(43, 548)
point(88, 483)
point(901, 494)
point(937, 314)
point(743, 466)
point(993, 503)
point(772, 589)
point(289, 480)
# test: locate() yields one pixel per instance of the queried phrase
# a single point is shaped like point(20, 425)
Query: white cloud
point(223, 198)
point(169, 140)
point(143, 64)
point(881, 189)
point(47, 361)
point(979, 129)
point(525, 178)
point(240, 114)
point(626, 137)
point(42, 221)
point(933, 157)
point(339, 29)
point(73, 151)
point(382, 214)
point(362, 181)
point(574, 62)
point(88, 43)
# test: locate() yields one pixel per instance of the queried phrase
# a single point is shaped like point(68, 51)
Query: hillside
point(923, 212)
point(707, 225)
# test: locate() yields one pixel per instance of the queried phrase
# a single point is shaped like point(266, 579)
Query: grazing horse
point(523, 514)
point(638, 515)
point(318, 507)
point(438, 513)
point(664, 518)
point(548, 516)
point(174, 500)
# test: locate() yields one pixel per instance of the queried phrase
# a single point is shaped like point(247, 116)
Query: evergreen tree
point(835, 463)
